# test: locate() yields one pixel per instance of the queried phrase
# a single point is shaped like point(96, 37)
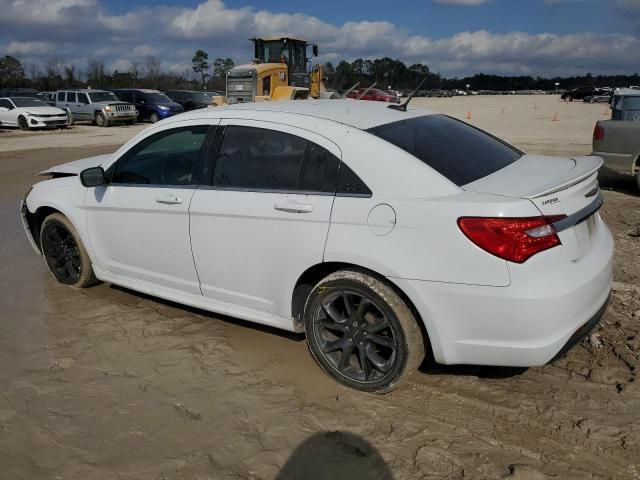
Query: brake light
point(598, 133)
point(513, 239)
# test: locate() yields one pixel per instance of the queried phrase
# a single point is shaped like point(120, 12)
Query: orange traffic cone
point(468, 115)
point(556, 118)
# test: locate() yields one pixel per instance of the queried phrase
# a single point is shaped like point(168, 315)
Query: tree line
point(385, 72)
point(56, 74)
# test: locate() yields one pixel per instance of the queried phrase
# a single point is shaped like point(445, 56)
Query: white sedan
point(383, 235)
point(30, 112)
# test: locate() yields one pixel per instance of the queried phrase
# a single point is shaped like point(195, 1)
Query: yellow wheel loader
point(278, 72)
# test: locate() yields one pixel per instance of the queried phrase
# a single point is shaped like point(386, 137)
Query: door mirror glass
point(92, 177)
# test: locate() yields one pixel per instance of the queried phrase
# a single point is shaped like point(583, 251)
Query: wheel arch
point(314, 274)
point(35, 220)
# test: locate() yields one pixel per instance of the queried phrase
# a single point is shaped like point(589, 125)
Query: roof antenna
point(367, 90)
point(350, 90)
point(403, 106)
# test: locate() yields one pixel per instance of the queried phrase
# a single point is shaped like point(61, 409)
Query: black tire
point(101, 120)
point(22, 123)
point(361, 332)
point(153, 118)
point(64, 252)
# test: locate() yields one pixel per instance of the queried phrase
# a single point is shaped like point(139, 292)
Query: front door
point(139, 223)
point(265, 218)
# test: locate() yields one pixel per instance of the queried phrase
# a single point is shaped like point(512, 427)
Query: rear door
point(264, 220)
point(8, 114)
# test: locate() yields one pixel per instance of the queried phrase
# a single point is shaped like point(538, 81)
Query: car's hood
point(74, 168)
point(43, 110)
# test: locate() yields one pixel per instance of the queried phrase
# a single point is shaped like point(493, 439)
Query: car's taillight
point(513, 239)
point(598, 133)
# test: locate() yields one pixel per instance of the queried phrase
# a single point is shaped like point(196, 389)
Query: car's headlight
point(107, 108)
point(163, 108)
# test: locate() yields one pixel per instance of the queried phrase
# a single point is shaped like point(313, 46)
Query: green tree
point(221, 67)
point(201, 66)
point(11, 72)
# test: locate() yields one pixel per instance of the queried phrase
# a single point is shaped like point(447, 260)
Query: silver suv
point(98, 106)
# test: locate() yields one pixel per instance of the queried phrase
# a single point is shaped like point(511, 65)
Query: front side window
point(262, 159)
point(456, 150)
point(172, 157)
point(6, 104)
point(82, 98)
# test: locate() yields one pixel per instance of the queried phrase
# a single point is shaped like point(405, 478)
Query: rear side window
point(457, 151)
point(71, 97)
point(263, 159)
point(61, 96)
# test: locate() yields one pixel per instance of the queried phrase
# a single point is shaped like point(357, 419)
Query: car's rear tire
point(153, 118)
point(361, 332)
point(101, 120)
point(64, 252)
point(22, 123)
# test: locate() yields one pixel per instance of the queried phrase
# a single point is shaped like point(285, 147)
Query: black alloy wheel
point(355, 336)
point(62, 253)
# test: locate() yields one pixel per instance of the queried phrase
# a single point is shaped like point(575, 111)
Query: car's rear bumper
point(528, 323)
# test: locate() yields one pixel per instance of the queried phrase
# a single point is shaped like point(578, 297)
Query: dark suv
point(190, 100)
point(152, 105)
point(579, 93)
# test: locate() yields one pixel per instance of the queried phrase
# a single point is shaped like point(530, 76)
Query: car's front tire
point(64, 252)
point(361, 332)
point(22, 123)
point(154, 118)
point(101, 120)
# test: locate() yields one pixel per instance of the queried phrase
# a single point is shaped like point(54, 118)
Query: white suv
point(381, 234)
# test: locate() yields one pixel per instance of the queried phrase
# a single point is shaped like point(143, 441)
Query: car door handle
point(291, 206)
point(169, 199)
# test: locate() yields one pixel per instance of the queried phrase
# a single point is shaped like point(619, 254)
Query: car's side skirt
point(197, 301)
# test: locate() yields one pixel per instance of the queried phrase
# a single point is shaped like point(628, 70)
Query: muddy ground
point(105, 383)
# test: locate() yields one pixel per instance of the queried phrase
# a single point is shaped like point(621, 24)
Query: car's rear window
point(454, 149)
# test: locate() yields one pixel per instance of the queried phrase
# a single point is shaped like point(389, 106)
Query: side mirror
point(92, 177)
point(314, 49)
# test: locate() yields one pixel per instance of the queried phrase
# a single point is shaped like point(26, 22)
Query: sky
point(452, 37)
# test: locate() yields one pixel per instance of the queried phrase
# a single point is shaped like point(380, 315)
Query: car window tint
point(61, 96)
point(171, 157)
point(454, 149)
point(83, 98)
point(71, 97)
point(5, 104)
point(349, 184)
point(320, 171)
point(257, 158)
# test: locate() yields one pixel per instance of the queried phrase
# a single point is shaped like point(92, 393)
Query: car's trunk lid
point(556, 186)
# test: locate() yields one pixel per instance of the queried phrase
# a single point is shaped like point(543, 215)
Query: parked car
point(377, 232)
point(152, 105)
point(98, 106)
point(460, 93)
point(373, 94)
point(30, 112)
point(597, 98)
point(218, 98)
point(579, 93)
point(436, 92)
point(190, 100)
point(617, 140)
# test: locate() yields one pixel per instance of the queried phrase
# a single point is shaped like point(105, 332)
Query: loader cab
point(290, 51)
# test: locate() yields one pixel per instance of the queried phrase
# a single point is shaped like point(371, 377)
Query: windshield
point(458, 151)
point(157, 98)
point(103, 97)
point(28, 102)
point(201, 97)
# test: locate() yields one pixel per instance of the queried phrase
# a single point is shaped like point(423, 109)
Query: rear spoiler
point(585, 167)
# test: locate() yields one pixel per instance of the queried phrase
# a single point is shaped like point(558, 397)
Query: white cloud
point(83, 28)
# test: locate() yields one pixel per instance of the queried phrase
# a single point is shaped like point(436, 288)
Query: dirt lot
point(105, 383)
